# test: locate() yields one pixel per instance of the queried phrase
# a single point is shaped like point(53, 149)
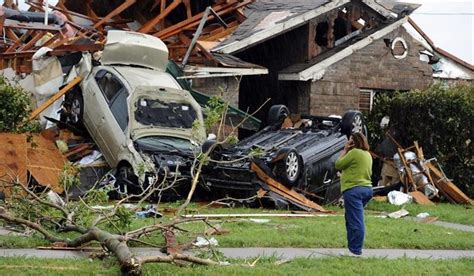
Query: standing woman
point(355, 163)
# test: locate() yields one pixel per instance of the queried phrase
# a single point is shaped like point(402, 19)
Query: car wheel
point(353, 122)
point(75, 103)
point(277, 114)
point(290, 168)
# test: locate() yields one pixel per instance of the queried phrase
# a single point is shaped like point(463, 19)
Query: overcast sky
point(449, 24)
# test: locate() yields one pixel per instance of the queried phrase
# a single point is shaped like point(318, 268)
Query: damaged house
point(326, 57)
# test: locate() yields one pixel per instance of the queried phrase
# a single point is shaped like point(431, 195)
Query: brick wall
point(372, 67)
point(225, 87)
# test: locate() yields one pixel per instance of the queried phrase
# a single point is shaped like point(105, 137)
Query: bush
point(15, 108)
point(441, 119)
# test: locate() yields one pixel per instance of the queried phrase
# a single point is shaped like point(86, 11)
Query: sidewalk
point(253, 252)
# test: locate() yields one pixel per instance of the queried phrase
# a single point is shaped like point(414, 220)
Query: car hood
point(131, 48)
point(139, 130)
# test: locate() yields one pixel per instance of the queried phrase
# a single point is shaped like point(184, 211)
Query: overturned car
point(137, 114)
point(299, 156)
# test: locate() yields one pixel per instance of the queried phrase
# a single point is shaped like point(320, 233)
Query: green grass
point(265, 266)
point(313, 232)
point(462, 214)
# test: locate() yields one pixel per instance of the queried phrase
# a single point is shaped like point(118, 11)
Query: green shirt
point(356, 167)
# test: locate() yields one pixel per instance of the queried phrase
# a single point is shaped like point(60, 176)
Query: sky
point(449, 24)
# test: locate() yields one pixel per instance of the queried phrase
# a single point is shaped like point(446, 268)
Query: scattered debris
point(398, 214)
point(420, 198)
point(35, 155)
point(447, 187)
point(205, 242)
point(422, 215)
point(399, 198)
point(148, 212)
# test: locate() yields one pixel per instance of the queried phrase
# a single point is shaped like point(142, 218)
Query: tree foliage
point(441, 119)
point(15, 108)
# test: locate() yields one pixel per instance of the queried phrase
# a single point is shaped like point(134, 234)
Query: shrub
point(441, 119)
point(15, 108)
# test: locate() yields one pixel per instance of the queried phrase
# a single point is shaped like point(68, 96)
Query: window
point(116, 95)
point(366, 100)
point(108, 84)
point(322, 34)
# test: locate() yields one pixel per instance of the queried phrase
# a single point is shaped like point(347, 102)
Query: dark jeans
point(355, 200)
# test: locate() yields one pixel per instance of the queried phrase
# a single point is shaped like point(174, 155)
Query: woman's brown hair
point(360, 141)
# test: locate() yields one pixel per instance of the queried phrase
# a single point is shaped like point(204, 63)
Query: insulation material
point(48, 78)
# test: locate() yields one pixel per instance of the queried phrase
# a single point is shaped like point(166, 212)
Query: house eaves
point(276, 29)
point(316, 71)
point(291, 19)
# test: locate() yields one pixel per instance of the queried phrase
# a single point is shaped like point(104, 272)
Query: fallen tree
point(52, 215)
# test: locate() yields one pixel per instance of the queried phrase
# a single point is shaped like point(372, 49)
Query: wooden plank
point(45, 162)
point(187, 4)
point(151, 24)
point(193, 21)
point(55, 97)
point(282, 190)
point(447, 187)
point(115, 12)
point(13, 156)
point(420, 198)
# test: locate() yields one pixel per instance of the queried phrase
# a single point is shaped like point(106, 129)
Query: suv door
point(107, 110)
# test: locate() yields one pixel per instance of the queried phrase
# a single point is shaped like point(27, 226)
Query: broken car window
point(165, 113)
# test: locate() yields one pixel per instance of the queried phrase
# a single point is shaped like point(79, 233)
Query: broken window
point(322, 34)
point(165, 113)
point(340, 28)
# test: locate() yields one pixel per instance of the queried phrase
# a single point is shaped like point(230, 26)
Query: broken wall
point(373, 67)
point(274, 54)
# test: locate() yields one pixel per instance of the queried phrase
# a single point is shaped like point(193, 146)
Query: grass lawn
point(267, 266)
point(314, 232)
point(462, 214)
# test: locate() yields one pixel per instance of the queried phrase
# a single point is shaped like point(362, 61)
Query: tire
point(352, 122)
point(74, 104)
point(277, 114)
point(290, 168)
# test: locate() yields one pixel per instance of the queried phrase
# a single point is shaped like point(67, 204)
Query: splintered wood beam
point(153, 22)
point(187, 4)
point(2, 19)
point(11, 34)
point(115, 12)
point(19, 42)
point(195, 20)
point(32, 42)
point(55, 97)
point(239, 15)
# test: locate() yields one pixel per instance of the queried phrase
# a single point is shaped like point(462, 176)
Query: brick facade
point(226, 88)
point(373, 67)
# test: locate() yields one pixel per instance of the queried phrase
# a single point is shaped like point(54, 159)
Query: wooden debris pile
point(189, 28)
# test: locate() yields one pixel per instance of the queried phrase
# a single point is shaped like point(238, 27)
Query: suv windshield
point(163, 143)
point(165, 113)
